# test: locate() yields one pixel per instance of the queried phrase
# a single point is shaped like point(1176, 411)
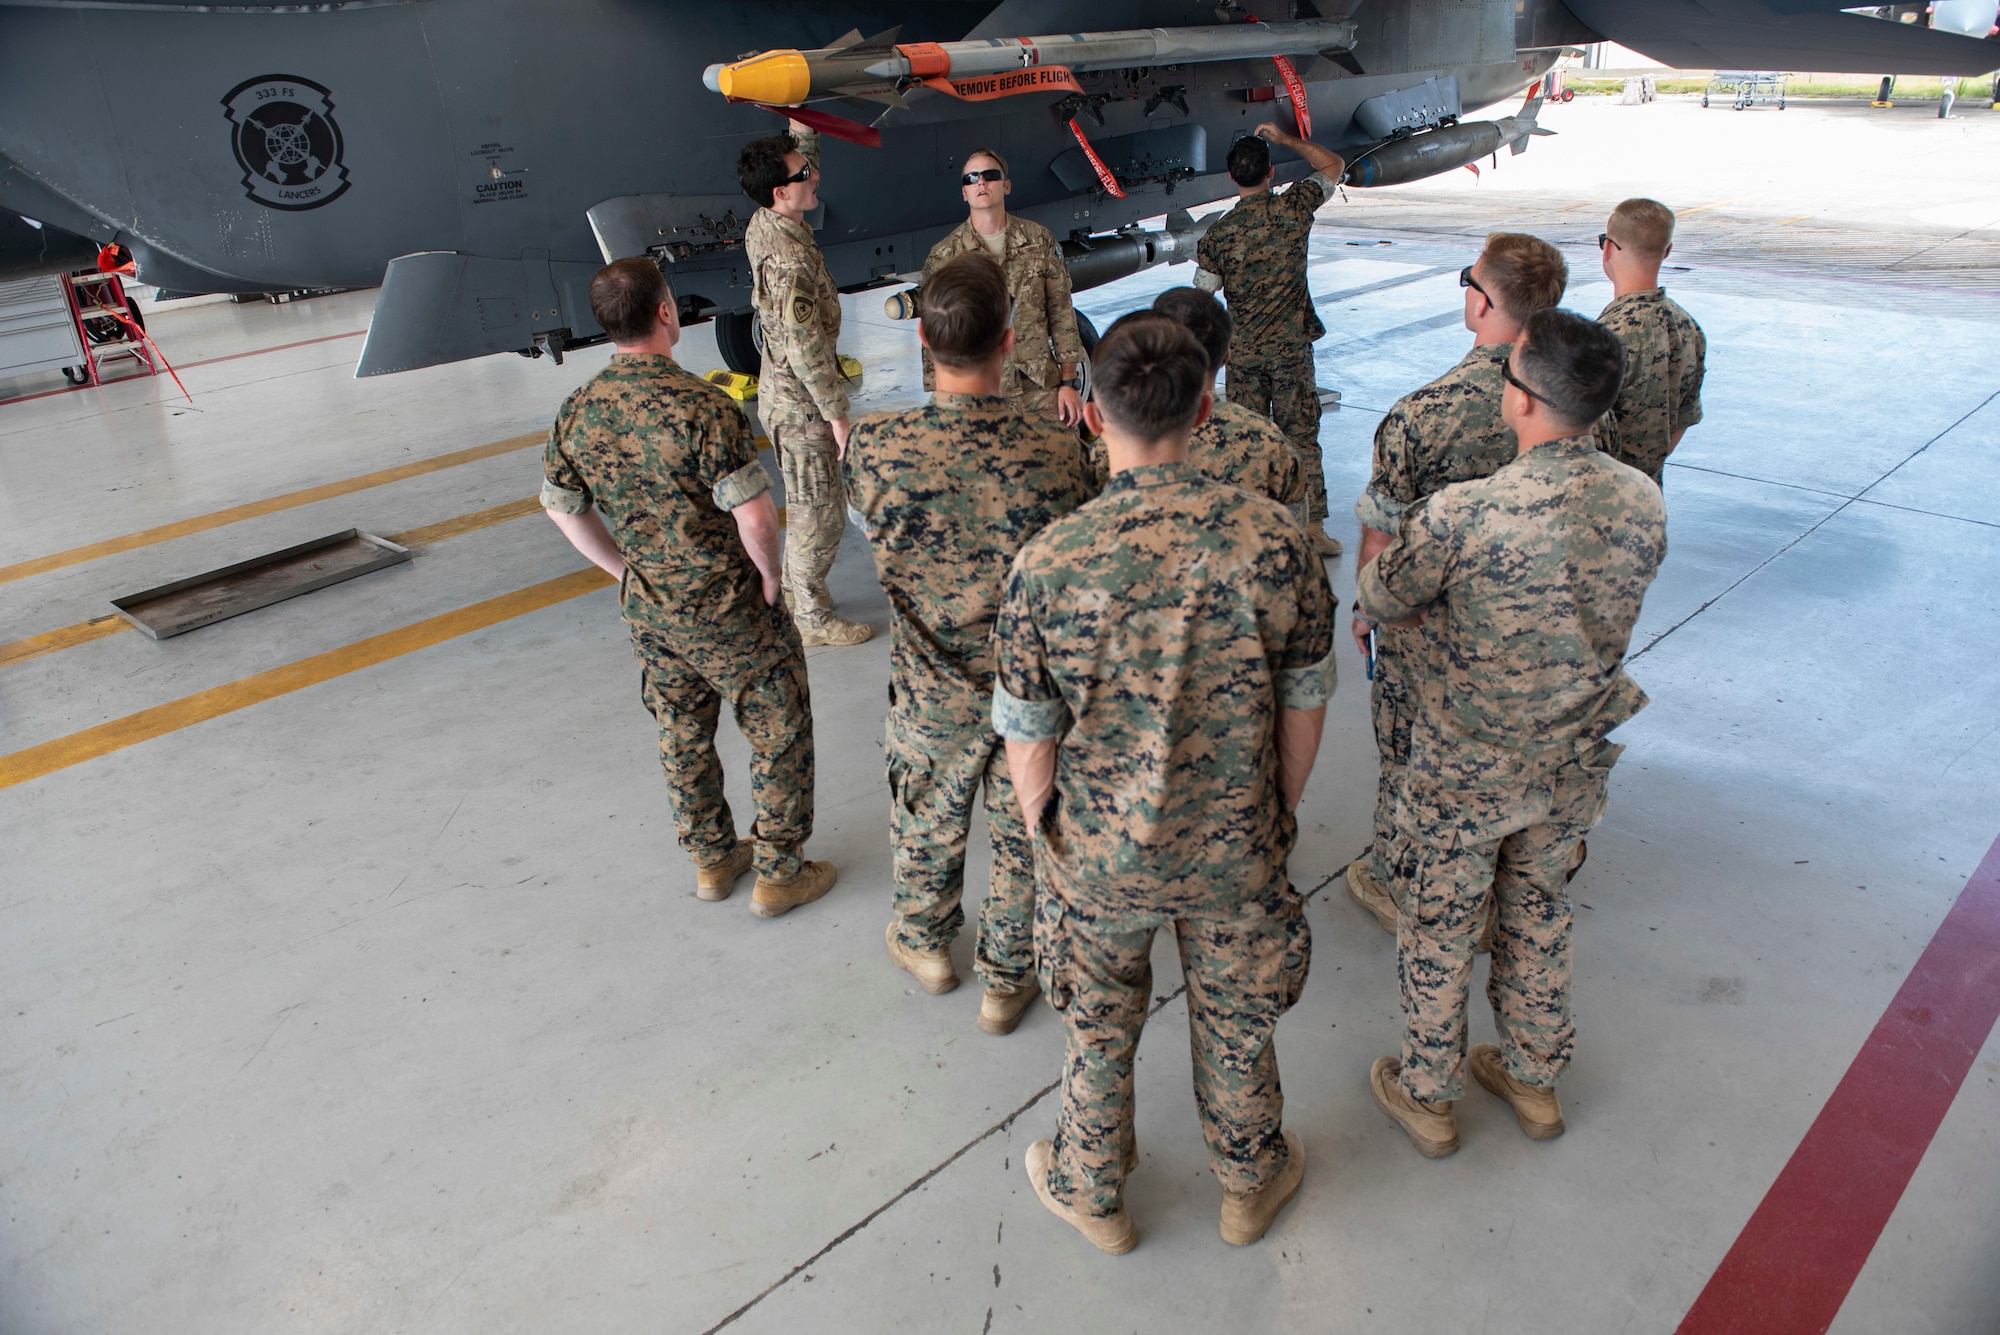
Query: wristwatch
point(1075, 382)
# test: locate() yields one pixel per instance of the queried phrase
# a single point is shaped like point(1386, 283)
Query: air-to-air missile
point(1416, 156)
point(996, 66)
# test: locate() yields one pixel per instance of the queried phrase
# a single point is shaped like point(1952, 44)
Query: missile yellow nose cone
point(780, 77)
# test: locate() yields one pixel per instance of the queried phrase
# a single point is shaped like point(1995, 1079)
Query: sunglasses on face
point(1507, 374)
point(805, 173)
point(1465, 279)
point(1604, 239)
point(983, 174)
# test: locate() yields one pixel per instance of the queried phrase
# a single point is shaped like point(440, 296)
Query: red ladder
point(105, 324)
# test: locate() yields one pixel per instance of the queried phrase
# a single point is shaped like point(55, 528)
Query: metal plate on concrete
point(187, 604)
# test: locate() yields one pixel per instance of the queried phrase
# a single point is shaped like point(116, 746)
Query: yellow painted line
point(49, 641)
point(1786, 222)
point(272, 505)
point(472, 523)
point(36, 761)
point(83, 632)
point(1704, 208)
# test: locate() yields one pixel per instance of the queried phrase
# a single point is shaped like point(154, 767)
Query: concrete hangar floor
point(384, 1004)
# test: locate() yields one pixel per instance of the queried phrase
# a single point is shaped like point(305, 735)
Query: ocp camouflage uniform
point(947, 495)
point(1448, 431)
point(1534, 577)
point(1666, 359)
point(1045, 335)
point(1258, 250)
point(1235, 446)
point(665, 457)
point(799, 391)
point(1155, 634)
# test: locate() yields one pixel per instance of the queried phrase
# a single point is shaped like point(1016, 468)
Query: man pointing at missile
point(1256, 255)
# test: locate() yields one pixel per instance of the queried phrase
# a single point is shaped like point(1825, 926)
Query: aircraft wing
point(1782, 35)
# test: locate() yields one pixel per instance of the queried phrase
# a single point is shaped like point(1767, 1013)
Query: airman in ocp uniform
point(800, 394)
point(1256, 256)
point(1668, 353)
point(1165, 655)
point(668, 460)
point(1535, 577)
point(947, 494)
point(1448, 431)
point(1041, 378)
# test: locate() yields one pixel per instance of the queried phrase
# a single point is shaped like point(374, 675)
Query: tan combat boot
point(713, 883)
point(1371, 894)
point(1247, 1215)
point(836, 631)
point(1535, 1108)
point(1000, 1012)
point(1430, 1126)
point(1114, 1235)
point(775, 896)
point(931, 968)
point(1323, 545)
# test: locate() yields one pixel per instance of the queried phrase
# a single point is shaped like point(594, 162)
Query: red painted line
point(1793, 1264)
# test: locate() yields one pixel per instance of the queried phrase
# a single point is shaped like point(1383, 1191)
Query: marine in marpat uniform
point(1448, 431)
point(668, 460)
point(1256, 255)
point(1165, 655)
point(799, 391)
point(1535, 577)
point(947, 494)
point(1668, 353)
point(1042, 374)
point(1234, 445)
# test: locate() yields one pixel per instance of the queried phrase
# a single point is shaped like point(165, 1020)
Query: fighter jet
point(479, 159)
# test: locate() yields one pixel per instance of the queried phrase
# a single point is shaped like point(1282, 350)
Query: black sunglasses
point(1465, 279)
point(805, 173)
point(1604, 239)
point(1507, 374)
point(983, 174)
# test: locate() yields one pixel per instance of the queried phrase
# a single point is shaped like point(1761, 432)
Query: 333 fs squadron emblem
point(286, 141)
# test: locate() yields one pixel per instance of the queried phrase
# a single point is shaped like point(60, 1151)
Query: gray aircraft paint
point(469, 141)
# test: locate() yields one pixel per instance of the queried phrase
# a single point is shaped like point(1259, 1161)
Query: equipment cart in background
point(1747, 88)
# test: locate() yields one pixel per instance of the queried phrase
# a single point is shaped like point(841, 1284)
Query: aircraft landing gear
point(1882, 93)
point(740, 341)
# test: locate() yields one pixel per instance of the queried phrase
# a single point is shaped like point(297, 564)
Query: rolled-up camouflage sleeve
point(564, 492)
point(741, 487)
point(1061, 309)
point(1411, 572)
point(1392, 484)
point(1026, 705)
point(728, 463)
point(806, 349)
point(1305, 197)
point(1306, 674)
point(806, 140)
point(1690, 388)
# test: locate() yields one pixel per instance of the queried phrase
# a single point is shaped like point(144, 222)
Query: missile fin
point(884, 39)
point(1180, 220)
point(852, 37)
point(1345, 59)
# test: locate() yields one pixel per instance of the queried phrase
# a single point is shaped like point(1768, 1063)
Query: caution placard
point(984, 87)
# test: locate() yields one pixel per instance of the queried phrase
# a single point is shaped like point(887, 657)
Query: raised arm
point(1324, 161)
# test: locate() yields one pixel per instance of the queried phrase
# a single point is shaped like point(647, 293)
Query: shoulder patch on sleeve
point(802, 310)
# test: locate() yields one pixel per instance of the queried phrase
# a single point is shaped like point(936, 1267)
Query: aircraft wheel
point(76, 375)
point(740, 341)
point(1704, 99)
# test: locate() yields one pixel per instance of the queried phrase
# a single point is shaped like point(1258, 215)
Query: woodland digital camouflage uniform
point(1535, 576)
point(665, 457)
point(1045, 334)
point(1448, 431)
point(800, 390)
point(1155, 634)
point(1235, 446)
point(947, 494)
point(1666, 359)
point(1258, 249)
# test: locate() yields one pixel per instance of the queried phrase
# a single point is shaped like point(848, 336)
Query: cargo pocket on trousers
point(1053, 951)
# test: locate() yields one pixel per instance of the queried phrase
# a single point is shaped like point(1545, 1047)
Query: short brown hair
point(984, 153)
point(965, 311)
point(1201, 315)
point(1528, 274)
point(1645, 225)
point(625, 297)
point(1148, 376)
